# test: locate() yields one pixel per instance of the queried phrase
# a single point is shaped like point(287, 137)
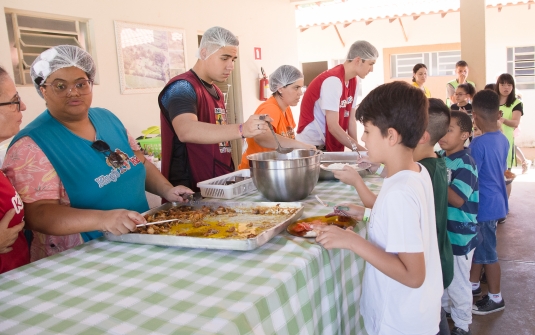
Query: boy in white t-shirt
point(402, 285)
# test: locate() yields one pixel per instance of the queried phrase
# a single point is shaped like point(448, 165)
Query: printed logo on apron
point(221, 119)
point(118, 167)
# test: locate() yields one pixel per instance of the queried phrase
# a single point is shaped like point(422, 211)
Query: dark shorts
point(485, 252)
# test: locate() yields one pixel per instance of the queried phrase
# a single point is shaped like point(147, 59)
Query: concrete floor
point(516, 252)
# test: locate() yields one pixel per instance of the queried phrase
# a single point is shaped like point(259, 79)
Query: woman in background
point(14, 250)
point(419, 76)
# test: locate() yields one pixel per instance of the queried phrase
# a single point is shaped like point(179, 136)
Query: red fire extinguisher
point(264, 86)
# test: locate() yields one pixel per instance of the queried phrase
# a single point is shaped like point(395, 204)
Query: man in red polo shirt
point(195, 133)
point(327, 118)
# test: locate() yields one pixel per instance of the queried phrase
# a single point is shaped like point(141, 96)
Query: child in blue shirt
point(463, 200)
point(490, 153)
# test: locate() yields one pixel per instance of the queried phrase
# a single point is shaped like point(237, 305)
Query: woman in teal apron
point(101, 173)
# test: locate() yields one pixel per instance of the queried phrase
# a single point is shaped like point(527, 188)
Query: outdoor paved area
point(516, 251)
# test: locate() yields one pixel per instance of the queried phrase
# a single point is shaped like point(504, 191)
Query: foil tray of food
point(220, 225)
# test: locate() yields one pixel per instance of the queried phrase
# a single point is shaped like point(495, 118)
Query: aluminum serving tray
point(212, 243)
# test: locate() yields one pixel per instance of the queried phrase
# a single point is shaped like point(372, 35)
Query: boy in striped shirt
point(463, 200)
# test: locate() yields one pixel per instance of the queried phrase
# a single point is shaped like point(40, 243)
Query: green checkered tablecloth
point(290, 285)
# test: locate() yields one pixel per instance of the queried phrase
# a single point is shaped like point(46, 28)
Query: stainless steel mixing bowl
point(285, 177)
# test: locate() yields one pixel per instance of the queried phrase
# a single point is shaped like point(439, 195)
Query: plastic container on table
point(228, 186)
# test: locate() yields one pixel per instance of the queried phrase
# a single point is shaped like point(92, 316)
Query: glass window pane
point(525, 86)
point(411, 56)
point(525, 49)
point(405, 69)
point(451, 60)
point(27, 77)
point(524, 72)
point(527, 79)
point(524, 57)
point(46, 24)
point(46, 40)
point(510, 68)
point(524, 64)
point(409, 61)
point(434, 64)
point(456, 53)
point(509, 54)
point(426, 59)
point(393, 72)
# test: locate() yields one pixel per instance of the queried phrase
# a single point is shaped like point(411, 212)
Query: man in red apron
point(327, 118)
point(195, 131)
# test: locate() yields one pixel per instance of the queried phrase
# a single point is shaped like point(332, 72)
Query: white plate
point(340, 166)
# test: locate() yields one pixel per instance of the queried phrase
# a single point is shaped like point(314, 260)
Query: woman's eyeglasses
point(16, 102)
point(62, 88)
point(103, 147)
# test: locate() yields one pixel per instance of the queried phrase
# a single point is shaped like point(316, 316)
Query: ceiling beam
point(403, 29)
point(339, 36)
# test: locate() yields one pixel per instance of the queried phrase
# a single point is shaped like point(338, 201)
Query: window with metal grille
point(32, 33)
point(439, 63)
point(521, 65)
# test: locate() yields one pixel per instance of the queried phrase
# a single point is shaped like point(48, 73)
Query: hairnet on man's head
point(362, 49)
point(59, 57)
point(214, 39)
point(283, 76)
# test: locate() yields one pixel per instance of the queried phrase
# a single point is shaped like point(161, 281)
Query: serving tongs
point(157, 222)
point(191, 199)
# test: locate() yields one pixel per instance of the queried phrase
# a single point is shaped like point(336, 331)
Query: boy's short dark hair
point(461, 63)
point(463, 121)
point(439, 120)
point(486, 104)
point(491, 87)
point(396, 105)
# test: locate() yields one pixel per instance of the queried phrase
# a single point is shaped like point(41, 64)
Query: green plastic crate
point(152, 145)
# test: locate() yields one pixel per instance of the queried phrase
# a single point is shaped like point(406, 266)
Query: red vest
point(312, 94)
point(206, 161)
point(20, 255)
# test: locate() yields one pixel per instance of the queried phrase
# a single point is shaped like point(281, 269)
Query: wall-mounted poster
point(148, 56)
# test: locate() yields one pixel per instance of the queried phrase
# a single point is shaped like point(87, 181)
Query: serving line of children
point(402, 291)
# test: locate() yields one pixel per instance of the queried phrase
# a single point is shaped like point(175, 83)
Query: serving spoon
point(279, 149)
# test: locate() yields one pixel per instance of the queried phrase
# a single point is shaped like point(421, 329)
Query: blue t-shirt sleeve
point(476, 151)
point(179, 98)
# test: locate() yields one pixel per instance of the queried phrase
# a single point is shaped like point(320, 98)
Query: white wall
point(243, 17)
point(513, 26)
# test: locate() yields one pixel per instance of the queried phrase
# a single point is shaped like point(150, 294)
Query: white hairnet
point(58, 57)
point(284, 75)
point(214, 39)
point(362, 49)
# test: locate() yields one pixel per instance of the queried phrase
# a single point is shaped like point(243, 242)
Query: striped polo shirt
point(462, 222)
